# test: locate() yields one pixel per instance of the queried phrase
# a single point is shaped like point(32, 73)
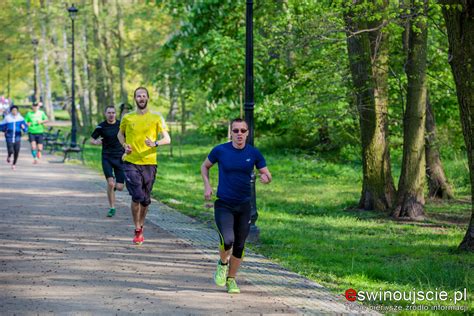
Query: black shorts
point(140, 180)
point(38, 138)
point(113, 168)
point(233, 223)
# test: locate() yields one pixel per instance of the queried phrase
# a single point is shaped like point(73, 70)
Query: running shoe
point(13, 167)
point(35, 161)
point(232, 287)
point(138, 239)
point(111, 212)
point(221, 274)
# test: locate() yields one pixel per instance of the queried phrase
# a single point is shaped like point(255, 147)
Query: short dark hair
point(109, 107)
point(140, 88)
point(13, 107)
point(238, 120)
point(35, 104)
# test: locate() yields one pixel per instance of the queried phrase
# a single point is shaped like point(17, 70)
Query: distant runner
point(105, 134)
point(35, 120)
point(12, 125)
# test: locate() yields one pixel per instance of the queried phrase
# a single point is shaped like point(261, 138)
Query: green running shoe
point(221, 274)
point(232, 287)
point(111, 212)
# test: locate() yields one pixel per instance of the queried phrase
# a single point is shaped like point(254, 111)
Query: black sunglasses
point(242, 130)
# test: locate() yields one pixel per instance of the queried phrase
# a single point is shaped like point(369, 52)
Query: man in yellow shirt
point(138, 135)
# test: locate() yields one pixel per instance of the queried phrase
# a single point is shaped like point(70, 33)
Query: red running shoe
point(138, 239)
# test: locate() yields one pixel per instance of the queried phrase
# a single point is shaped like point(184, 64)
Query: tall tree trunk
point(47, 98)
point(289, 53)
point(410, 199)
point(58, 61)
point(66, 80)
point(36, 66)
point(107, 53)
point(460, 29)
point(182, 98)
point(368, 63)
point(99, 68)
point(121, 58)
point(173, 96)
point(437, 182)
point(86, 106)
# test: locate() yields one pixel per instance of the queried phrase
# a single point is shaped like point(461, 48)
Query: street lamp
point(248, 106)
point(72, 14)
point(34, 41)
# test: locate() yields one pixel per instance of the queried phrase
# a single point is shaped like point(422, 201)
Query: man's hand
point(127, 147)
point(149, 142)
point(264, 178)
point(207, 193)
point(98, 141)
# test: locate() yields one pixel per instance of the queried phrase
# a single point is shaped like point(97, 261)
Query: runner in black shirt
point(105, 134)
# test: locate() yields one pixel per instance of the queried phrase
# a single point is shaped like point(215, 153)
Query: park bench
point(50, 139)
point(49, 135)
point(78, 150)
point(60, 142)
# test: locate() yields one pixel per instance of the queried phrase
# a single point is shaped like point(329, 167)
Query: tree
point(459, 17)
point(368, 58)
point(437, 181)
point(410, 197)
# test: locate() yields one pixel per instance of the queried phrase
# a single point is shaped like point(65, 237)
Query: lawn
point(308, 222)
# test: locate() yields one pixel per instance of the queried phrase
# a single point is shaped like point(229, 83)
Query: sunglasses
point(242, 130)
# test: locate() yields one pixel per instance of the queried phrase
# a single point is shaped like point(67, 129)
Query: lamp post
point(9, 59)
point(72, 14)
point(248, 107)
point(34, 41)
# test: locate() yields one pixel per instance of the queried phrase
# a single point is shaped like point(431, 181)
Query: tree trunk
point(369, 74)
point(108, 72)
point(99, 69)
point(182, 98)
point(460, 29)
point(107, 53)
point(66, 80)
point(437, 182)
point(410, 199)
point(174, 108)
point(121, 58)
point(47, 98)
point(86, 106)
point(58, 61)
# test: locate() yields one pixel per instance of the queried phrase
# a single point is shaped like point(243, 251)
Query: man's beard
point(142, 107)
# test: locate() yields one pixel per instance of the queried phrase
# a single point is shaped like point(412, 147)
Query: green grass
point(307, 223)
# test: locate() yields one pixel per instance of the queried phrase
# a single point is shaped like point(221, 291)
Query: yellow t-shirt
point(137, 127)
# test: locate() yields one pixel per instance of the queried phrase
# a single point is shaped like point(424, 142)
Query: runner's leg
point(16, 151)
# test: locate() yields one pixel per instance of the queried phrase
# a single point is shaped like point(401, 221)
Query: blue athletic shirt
point(235, 170)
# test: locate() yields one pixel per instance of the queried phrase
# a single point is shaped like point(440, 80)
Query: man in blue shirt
point(236, 161)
